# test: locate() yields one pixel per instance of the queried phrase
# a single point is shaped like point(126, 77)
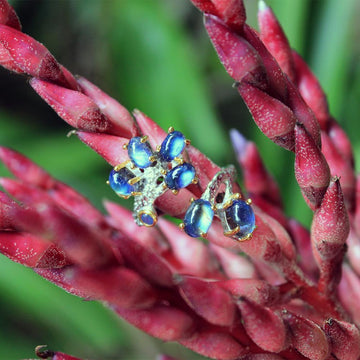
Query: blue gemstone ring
point(150, 173)
point(218, 200)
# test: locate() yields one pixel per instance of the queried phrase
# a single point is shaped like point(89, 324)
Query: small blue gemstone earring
point(148, 174)
point(218, 199)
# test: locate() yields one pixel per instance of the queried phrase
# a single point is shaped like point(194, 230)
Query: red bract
point(311, 169)
point(284, 293)
point(275, 40)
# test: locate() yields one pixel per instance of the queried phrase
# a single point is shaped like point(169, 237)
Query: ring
point(148, 174)
point(236, 215)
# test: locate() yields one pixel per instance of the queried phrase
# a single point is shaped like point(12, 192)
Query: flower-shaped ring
point(148, 174)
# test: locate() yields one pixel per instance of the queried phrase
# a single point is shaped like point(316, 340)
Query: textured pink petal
point(175, 205)
point(150, 128)
point(307, 337)
point(301, 237)
point(81, 244)
point(164, 322)
point(73, 202)
point(113, 285)
point(232, 12)
point(275, 40)
point(193, 255)
point(116, 285)
point(341, 141)
point(122, 219)
point(263, 245)
point(70, 78)
point(113, 110)
point(303, 113)
point(31, 56)
point(256, 178)
point(238, 57)
point(264, 326)
point(75, 108)
point(31, 251)
point(16, 217)
point(234, 265)
point(282, 236)
point(311, 169)
point(215, 344)
point(340, 166)
point(205, 168)
point(349, 292)
point(206, 6)
point(274, 118)
point(269, 208)
point(65, 196)
point(145, 261)
point(311, 90)
point(258, 291)
point(274, 80)
point(110, 147)
point(330, 226)
point(8, 15)
point(353, 253)
point(25, 169)
point(262, 357)
point(8, 62)
point(345, 339)
point(208, 300)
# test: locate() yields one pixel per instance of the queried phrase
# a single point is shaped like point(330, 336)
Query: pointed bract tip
point(43, 352)
point(238, 141)
point(71, 132)
point(262, 5)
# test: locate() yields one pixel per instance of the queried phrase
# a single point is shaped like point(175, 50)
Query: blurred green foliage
point(153, 55)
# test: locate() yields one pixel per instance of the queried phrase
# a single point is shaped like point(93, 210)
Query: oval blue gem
point(198, 218)
point(118, 180)
point(241, 214)
point(147, 219)
point(139, 152)
point(172, 146)
point(180, 176)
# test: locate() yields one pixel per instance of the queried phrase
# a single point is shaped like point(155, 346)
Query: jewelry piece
point(148, 174)
point(218, 199)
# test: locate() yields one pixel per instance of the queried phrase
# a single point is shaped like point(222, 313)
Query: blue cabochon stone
point(241, 214)
point(198, 218)
point(172, 146)
point(139, 152)
point(180, 176)
point(118, 181)
point(147, 219)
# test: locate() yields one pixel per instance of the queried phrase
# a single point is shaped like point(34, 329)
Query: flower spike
point(288, 293)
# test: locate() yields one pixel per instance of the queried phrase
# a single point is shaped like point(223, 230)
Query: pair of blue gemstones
point(218, 200)
point(238, 213)
point(148, 174)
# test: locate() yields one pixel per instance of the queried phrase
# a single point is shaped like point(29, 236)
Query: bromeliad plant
point(286, 293)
